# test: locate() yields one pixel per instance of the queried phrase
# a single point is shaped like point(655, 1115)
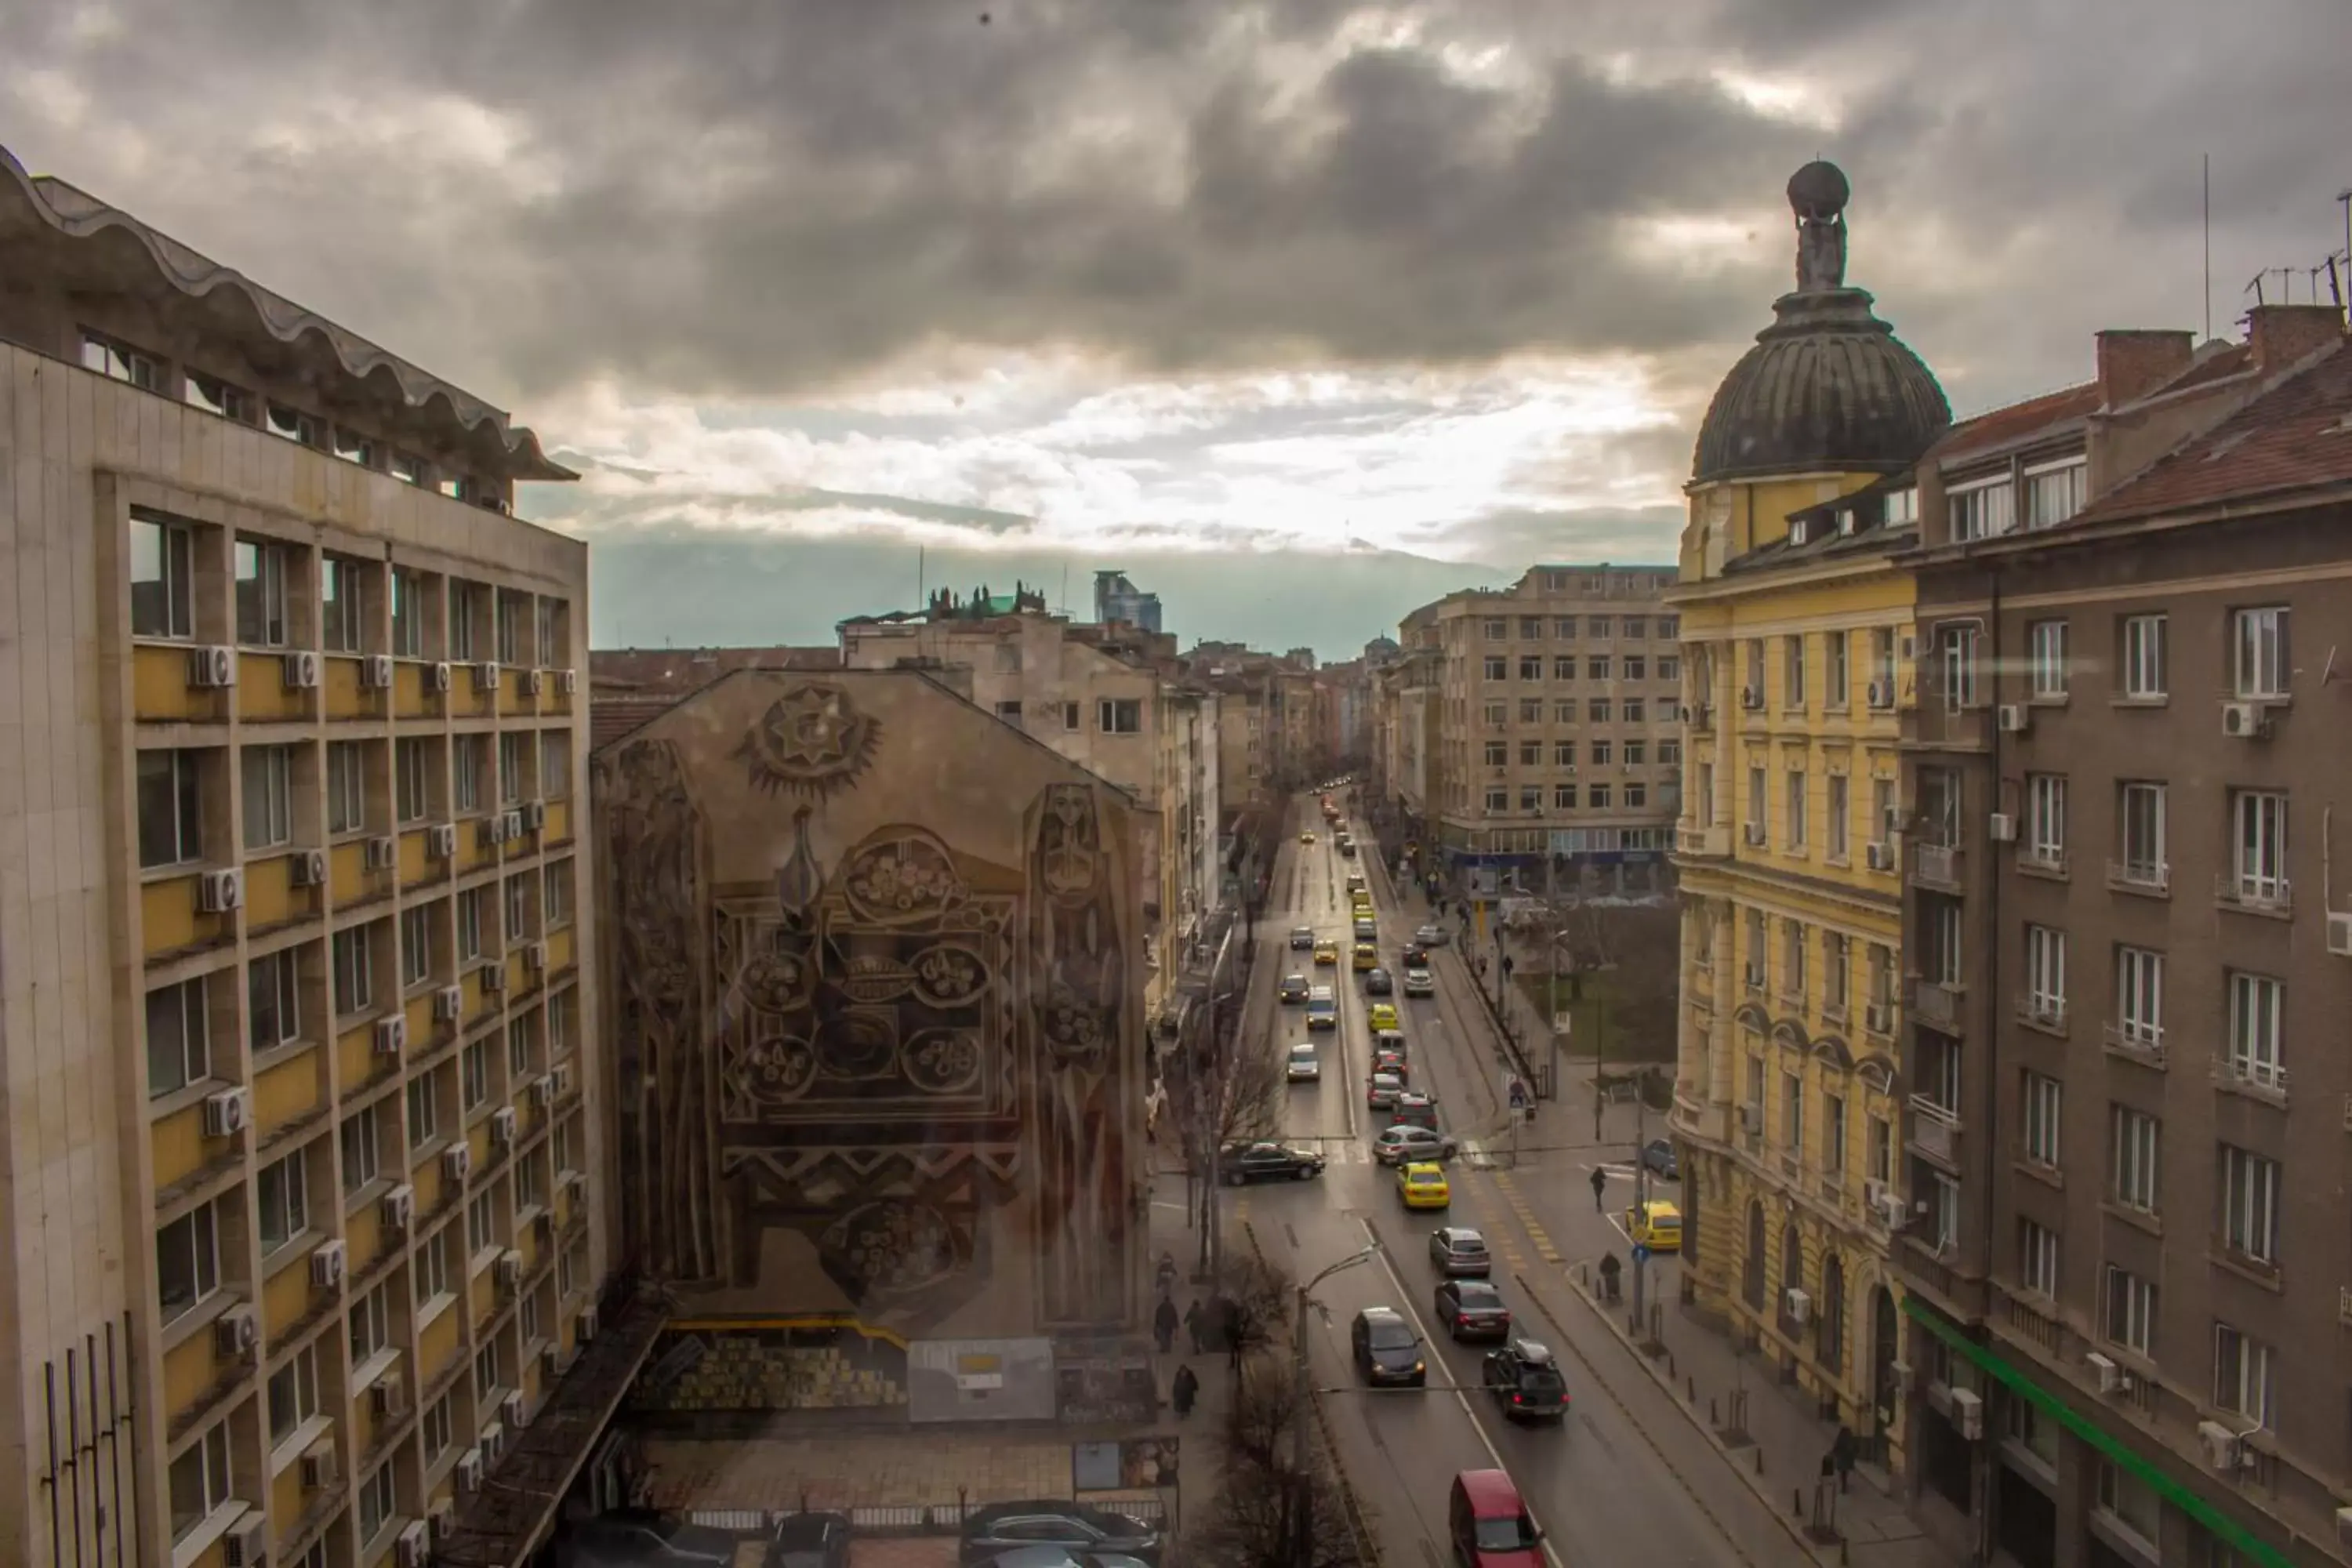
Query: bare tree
point(1234, 1096)
point(1255, 1523)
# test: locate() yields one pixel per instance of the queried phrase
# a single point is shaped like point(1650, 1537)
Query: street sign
point(1641, 1253)
point(1562, 1023)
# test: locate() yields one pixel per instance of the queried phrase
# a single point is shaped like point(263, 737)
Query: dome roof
point(1828, 386)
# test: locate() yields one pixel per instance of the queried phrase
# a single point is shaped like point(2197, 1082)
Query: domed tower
point(1828, 400)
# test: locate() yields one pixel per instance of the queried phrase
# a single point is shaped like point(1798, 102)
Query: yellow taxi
point(1366, 956)
point(1308, 837)
point(1383, 1016)
point(1326, 952)
point(1423, 1187)
point(1656, 1225)
point(1361, 908)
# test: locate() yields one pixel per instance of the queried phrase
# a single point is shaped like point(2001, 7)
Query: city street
point(1627, 1475)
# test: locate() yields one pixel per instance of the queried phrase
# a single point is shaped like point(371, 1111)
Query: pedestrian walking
point(1185, 1389)
point(1842, 1454)
point(1192, 1324)
point(1600, 1188)
point(1236, 1328)
point(1167, 1273)
point(1163, 1325)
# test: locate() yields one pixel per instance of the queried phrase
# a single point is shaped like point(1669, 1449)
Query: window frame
point(2262, 664)
point(191, 998)
point(261, 617)
point(2143, 658)
point(179, 787)
point(173, 586)
point(266, 774)
point(292, 1202)
point(2136, 1158)
point(204, 1260)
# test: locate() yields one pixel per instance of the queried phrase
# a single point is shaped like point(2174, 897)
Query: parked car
point(810, 1540)
point(1472, 1310)
point(1385, 1348)
point(1301, 937)
point(1268, 1163)
point(1063, 1557)
point(1459, 1252)
point(1405, 1145)
point(641, 1538)
point(991, 1531)
point(1377, 983)
point(1658, 1154)
point(1419, 981)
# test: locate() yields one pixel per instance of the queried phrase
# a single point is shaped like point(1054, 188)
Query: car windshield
point(1481, 1296)
point(1510, 1534)
point(1468, 1244)
point(1391, 1336)
point(1425, 1178)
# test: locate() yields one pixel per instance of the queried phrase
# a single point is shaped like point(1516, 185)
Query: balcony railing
point(2139, 877)
point(2250, 1075)
point(2262, 895)
point(1935, 1002)
point(1712, 843)
point(1935, 1131)
point(2049, 859)
point(2137, 1046)
point(1936, 865)
point(2041, 1010)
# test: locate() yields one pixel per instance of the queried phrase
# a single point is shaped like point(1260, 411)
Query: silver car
point(1305, 1066)
point(1383, 1090)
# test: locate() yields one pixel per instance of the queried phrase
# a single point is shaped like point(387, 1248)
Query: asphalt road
point(1599, 1487)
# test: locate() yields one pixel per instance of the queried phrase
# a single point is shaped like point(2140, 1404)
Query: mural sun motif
point(812, 742)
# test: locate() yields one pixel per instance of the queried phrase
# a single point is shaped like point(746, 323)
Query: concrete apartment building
point(2127, 1255)
point(1559, 738)
point(1787, 1104)
point(304, 1227)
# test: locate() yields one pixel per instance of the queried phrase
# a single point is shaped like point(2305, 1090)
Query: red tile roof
point(2230, 362)
point(628, 686)
point(2297, 436)
point(2002, 425)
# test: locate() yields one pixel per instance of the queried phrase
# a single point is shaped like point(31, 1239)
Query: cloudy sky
point(1211, 290)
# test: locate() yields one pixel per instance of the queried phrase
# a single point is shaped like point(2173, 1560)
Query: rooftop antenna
point(922, 580)
point(2208, 246)
point(1065, 606)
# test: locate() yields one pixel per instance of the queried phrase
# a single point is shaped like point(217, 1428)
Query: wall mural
point(889, 1058)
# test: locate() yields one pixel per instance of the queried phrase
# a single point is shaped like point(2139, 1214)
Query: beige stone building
point(302, 1225)
point(1557, 731)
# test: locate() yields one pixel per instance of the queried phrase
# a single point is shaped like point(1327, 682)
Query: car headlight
point(1419, 1367)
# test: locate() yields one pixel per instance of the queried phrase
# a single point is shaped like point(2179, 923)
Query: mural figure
point(813, 742)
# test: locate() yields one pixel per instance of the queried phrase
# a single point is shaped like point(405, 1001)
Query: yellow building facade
point(1796, 631)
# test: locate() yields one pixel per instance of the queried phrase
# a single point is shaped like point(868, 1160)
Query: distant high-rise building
point(1116, 598)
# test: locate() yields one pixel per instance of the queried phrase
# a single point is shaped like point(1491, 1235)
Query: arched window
point(1753, 1284)
point(1831, 1347)
point(1792, 1272)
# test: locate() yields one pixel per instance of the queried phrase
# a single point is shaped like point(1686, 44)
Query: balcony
point(1935, 1002)
point(2262, 1079)
point(2253, 895)
point(1878, 1018)
point(2136, 1045)
point(1938, 726)
point(2042, 859)
point(1935, 1131)
point(1701, 718)
point(1703, 843)
point(2040, 1010)
point(1936, 865)
point(2150, 879)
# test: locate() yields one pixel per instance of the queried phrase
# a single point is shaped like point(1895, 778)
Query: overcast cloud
point(1139, 275)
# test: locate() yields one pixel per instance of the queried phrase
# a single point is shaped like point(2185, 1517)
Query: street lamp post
point(1302, 1494)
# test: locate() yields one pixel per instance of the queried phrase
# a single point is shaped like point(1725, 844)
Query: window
point(513, 752)
point(1597, 668)
point(371, 1323)
point(517, 896)
point(1498, 798)
point(283, 1196)
point(522, 1050)
point(2259, 859)
point(1833, 1131)
point(1498, 754)
point(261, 592)
point(1636, 667)
point(1070, 716)
point(342, 615)
point(1564, 627)
point(1597, 710)
point(1881, 1150)
point(2054, 492)
point(1670, 670)
point(465, 621)
point(2138, 1142)
point(1563, 666)
point(1496, 628)
point(548, 612)
point(2139, 997)
point(1959, 646)
point(376, 1502)
point(293, 1394)
point(1981, 509)
point(354, 970)
point(1564, 712)
point(170, 814)
point(2250, 1200)
point(290, 424)
point(1601, 753)
point(1563, 753)
point(1792, 1113)
point(1635, 752)
point(1530, 753)
point(179, 1043)
point(1531, 667)
point(2045, 975)
point(1792, 958)
point(200, 1481)
point(1597, 796)
point(510, 610)
point(1598, 626)
point(111, 359)
point(2242, 1374)
point(424, 1113)
point(1793, 670)
point(468, 752)
point(346, 787)
point(269, 796)
point(2037, 1259)
point(481, 1235)
point(2257, 1031)
point(1497, 666)
point(433, 1267)
point(1632, 708)
point(486, 1370)
point(2042, 1097)
point(1530, 797)
point(555, 896)
point(187, 1261)
point(2143, 658)
point(356, 1141)
point(216, 397)
point(2046, 820)
point(409, 777)
point(162, 577)
point(1839, 843)
point(1756, 799)
point(2131, 1310)
point(527, 1311)
point(1008, 711)
point(1837, 972)
point(2261, 667)
point(469, 925)
point(407, 614)
point(415, 947)
point(2046, 660)
point(476, 1073)
point(437, 1428)
point(1563, 796)
point(1498, 715)
point(1119, 716)
point(2131, 1501)
point(1796, 812)
point(2141, 820)
point(555, 764)
point(273, 999)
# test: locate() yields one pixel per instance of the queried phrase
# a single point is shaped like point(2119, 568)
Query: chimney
point(2281, 334)
point(2135, 362)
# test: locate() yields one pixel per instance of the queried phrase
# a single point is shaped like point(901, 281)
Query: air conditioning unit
point(309, 868)
point(409, 1548)
point(2104, 1372)
point(375, 671)
point(492, 1444)
point(470, 1470)
point(392, 1035)
point(319, 1465)
point(237, 1331)
point(492, 831)
point(1891, 823)
point(534, 815)
point(441, 840)
point(543, 1223)
point(1880, 694)
point(534, 955)
point(2339, 934)
point(457, 1163)
point(1753, 834)
point(1878, 1017)
point(542, 1089)
point(2224, 1449)
point(1796, 1305)
point(449, 1003)
point(443, 1520)
point(2245, 720)
point(211, 667)
point(387, 1395)
point(436, 676)
point(532, 679)
point(228, 1113)
point(486, 676)
point(301, 671)
point(2015, 718)
point(567, 682)
point(397, 1208)
point(1878, 854)
point(514, 820)
point(327, 1265)
point(510, 1411)
point(561, 1074)
point(383, 854)
point(245, 1544)
point(1751, 697)
point(502, 1125)
point(1751, 1119)
point(555, 1359)
point(586, 1331)
point(1967, 1414)
point(2001, 828)
point(509, 1268)
point(494, 978)
point(218, 892)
